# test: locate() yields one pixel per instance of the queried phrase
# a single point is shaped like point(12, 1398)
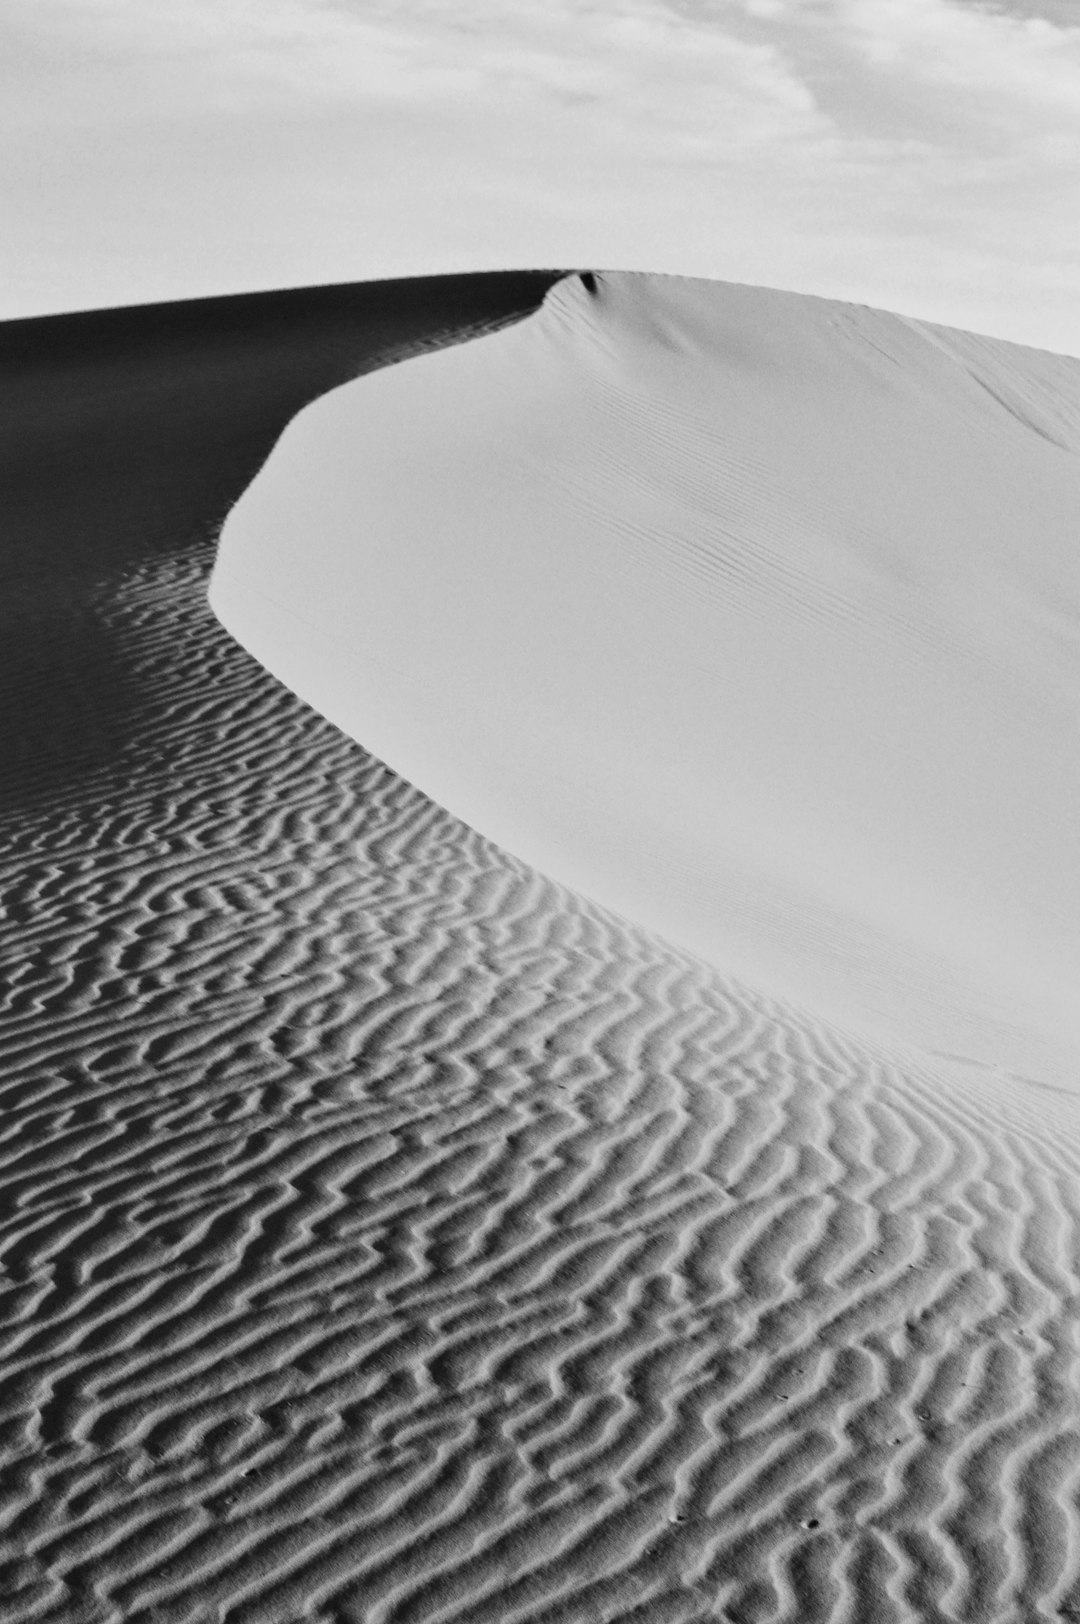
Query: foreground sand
point(390, 1235)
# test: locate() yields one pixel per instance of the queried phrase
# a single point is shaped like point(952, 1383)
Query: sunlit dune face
point(754, 617)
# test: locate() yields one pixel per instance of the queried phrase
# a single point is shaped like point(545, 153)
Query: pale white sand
point(752, 616)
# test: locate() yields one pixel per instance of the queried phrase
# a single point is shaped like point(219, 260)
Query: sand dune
point(388, 1233)
point(752, 616)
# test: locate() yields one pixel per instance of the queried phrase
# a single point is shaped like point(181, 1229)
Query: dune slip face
point(388, 1235)
point(752, 616)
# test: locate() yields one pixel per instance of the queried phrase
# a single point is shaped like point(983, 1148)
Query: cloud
point(994, 57)
point(636, 54)
point(1060, 12)
point(742, 72)
point(235, 54)
point(951, 73)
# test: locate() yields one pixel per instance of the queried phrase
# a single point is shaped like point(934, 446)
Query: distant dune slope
point(390, 1236)
point(753, 616)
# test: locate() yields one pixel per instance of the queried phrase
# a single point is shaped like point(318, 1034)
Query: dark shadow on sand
point(126, 435)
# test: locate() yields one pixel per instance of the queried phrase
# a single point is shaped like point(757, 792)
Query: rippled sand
point(388, 1233)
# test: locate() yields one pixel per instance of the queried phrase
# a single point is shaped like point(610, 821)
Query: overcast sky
point(922, 155)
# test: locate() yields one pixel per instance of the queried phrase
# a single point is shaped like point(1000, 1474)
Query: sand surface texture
point(391, 1236)
point(752, 616)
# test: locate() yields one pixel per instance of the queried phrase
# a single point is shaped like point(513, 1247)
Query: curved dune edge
point(754, 617)
point(390, 1236)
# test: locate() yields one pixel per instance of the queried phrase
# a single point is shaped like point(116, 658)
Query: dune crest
point(752, 616)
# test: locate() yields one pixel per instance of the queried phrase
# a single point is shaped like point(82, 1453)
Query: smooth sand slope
point(387, 1235)
point(752, 616)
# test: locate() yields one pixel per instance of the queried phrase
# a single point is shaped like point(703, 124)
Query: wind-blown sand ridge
point(388, 1233)
point(752, 616)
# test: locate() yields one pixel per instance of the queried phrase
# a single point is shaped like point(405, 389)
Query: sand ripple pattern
point(389, 1236)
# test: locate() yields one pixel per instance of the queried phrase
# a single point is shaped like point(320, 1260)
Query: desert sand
point(753, 617)
point(402, 1227)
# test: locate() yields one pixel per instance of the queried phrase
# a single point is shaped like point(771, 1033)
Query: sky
point(918, 155)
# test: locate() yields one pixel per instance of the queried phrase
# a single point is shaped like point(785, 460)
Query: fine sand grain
point(391, 1236)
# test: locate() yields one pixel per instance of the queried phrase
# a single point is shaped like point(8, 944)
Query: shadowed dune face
point(388, 1236)
point(126, 435)
point(752, 616)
